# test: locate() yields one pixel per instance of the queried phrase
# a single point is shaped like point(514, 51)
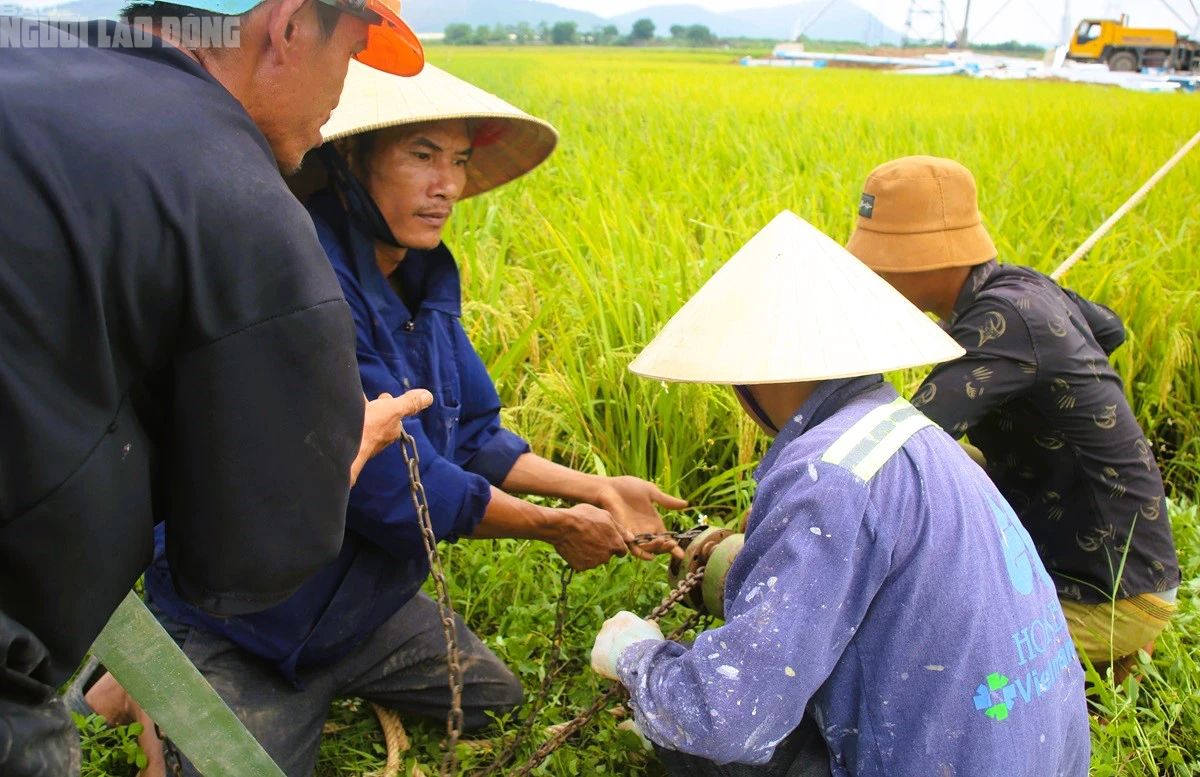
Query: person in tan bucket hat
point(1037, 395)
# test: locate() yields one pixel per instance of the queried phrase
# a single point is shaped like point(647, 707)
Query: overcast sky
point(1029, 20)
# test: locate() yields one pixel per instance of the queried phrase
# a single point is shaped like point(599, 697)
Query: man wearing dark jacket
point(173, 344)
point(1037, 395)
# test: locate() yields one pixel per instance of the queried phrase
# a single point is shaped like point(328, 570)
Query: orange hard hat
point(391, 45)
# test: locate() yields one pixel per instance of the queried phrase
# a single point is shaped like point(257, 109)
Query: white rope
point(1129, 205)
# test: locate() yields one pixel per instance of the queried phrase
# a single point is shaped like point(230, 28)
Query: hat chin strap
point(358, 200)
point(752, 403)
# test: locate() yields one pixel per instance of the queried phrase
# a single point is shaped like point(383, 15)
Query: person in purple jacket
point(888, 614)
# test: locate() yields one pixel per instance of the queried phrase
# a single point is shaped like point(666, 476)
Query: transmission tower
point(924, 16)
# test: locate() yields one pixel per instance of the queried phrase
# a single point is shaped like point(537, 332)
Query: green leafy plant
point(109, 752)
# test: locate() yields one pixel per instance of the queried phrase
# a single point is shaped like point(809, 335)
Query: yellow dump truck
point(1125, 48)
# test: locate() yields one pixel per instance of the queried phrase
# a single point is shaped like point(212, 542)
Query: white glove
point(617, 634)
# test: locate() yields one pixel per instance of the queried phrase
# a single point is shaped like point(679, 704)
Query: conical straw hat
point(509, 142)
point(792, 305)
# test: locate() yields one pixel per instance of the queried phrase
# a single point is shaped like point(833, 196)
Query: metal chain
point(575, 724)
point(645, 539)
point(557, 663)
point(454, 718)
point(675, 597)
point(172, 759)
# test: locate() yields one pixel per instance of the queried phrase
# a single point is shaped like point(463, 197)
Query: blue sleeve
point(483, 446)
point(795, 596)
point(381, 506)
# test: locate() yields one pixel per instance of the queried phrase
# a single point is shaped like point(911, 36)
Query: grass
point(669, 161)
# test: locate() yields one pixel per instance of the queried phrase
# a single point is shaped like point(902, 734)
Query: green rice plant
point(669, 161)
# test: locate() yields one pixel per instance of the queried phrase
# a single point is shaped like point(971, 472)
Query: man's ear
point(285, 21)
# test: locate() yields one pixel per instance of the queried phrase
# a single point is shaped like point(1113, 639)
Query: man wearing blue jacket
point(361, 626)
point(888, 615)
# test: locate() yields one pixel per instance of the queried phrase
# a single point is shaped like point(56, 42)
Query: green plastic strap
point(159, 677)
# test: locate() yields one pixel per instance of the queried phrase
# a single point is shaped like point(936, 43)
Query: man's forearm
point(508, 517)
point(586, 535)
point(534, 475)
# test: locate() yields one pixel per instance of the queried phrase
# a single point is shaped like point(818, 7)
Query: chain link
point(676, 596)
point(172, 759)
point(558, 662)
point(454, 718)
point(575, 724)
point(645, 539)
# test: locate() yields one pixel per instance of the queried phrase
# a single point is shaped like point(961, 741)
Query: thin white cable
point(1129, 205)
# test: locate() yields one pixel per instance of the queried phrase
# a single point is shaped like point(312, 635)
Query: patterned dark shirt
point(1038, 396)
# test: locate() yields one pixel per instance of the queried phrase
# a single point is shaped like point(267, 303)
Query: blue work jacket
point(462, 448)
point(892, 595)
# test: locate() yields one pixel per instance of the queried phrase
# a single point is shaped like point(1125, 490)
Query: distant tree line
point(1012, 47)
point(569, 34)
point(643, 33)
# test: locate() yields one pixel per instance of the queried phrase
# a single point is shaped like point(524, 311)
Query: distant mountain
point(434, 15)
point(843, 21)
point(422, 15)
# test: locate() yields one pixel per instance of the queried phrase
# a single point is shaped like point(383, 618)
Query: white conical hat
point(509, 142)
point(792, 305)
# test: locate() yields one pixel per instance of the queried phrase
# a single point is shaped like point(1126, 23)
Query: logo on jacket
point(1064, 397)
point(995, 696)
point(1053, 441)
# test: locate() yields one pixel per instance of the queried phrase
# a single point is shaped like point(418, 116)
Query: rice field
point(669, 161)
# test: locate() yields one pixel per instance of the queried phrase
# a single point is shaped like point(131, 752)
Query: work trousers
point(802, 754)
point(401, 666)
point(37, 736)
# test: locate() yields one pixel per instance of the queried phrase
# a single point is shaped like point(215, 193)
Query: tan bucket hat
point(920, 213)
point(508, 142)
point(792, 305)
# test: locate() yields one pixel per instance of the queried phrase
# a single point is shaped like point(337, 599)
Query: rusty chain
point(690, 534)
point(454, 718)
point(565, 731)
point(557, 664)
